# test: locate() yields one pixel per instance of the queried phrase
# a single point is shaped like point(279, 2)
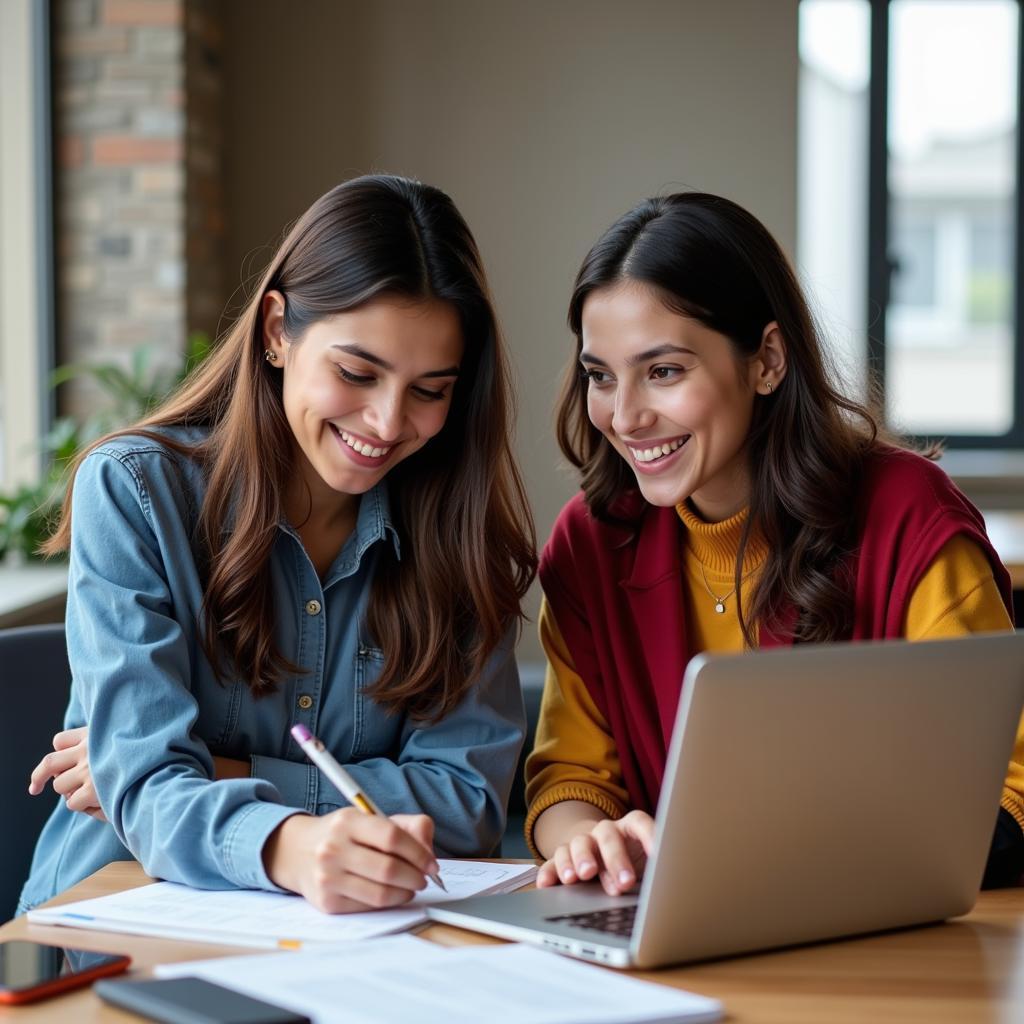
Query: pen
point(325, 761)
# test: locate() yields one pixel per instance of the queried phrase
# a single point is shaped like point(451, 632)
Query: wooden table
point(970, 969)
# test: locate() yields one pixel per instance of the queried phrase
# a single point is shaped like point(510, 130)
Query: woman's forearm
point(560, 822)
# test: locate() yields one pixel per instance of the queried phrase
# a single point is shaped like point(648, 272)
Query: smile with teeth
point(658, 451)
point(361, 447)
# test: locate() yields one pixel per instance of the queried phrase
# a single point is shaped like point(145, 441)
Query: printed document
point(242, 917)
point(400, 979)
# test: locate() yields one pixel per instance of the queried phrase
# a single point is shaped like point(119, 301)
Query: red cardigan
point(617, 595)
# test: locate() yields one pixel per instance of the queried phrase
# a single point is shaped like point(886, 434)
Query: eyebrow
point(361, 353)
point(642, 357)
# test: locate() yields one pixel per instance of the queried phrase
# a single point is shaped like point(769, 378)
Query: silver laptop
point(810, 793)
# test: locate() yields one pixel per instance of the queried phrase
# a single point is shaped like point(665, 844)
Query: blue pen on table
point(346, 785)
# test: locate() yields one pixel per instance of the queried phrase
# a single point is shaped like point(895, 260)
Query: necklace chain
point(720, 601)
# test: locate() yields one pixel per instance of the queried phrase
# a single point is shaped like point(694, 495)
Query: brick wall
point(128, 165)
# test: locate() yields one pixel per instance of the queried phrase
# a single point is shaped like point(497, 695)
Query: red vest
point(618, 597)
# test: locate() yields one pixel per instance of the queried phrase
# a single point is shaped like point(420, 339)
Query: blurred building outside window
point(948, 334)
point(832, 176)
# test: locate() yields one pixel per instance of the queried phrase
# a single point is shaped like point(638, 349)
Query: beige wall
point(543, 120)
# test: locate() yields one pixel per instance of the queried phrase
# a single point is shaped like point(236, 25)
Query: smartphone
point(31, 970)
point(193, 1001)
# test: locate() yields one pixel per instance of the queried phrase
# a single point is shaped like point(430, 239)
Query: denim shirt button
point(313, 606)
point(305, 702)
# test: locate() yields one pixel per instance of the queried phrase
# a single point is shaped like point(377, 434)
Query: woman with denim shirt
point(323, 526)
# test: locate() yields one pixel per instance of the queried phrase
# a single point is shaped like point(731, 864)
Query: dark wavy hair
point(708, 259)
point(468, 541)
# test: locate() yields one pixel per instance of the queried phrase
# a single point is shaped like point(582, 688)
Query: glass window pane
point(832, 196)
point(952, 145)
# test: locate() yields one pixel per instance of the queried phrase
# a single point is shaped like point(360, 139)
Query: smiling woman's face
point(366, 388)
point(672, 398)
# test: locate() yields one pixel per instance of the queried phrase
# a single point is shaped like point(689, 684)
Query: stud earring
point(270, 355)
point(768, 385)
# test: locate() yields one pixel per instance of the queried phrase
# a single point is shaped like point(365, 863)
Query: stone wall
point(128, 165)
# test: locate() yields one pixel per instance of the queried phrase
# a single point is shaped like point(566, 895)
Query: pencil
point(349, 788)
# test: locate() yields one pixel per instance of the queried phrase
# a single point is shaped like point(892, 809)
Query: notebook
point(242, 917)
point(810, 793)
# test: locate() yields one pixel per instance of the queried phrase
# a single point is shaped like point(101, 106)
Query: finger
point(88, 794)
point(585, 857)
point(371, 878)
point(383, 869)
point(97, 813)
point(608, 882)
point(350, 893)
point(334, 903)
point(619, 872)
point(382, 834)
point(70, 738)
point(564, 866)
point(419, 826)
point(639, 826)
point(82, 799)
point(73, 779)
point(51, 765)
point(374, 894)
point(547, 875)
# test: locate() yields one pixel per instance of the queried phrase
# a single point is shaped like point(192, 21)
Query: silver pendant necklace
point(719, 601)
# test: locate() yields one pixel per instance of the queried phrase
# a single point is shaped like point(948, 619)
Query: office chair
point(513, 842)
point(34, 682)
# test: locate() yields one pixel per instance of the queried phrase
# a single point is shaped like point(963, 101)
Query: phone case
point(192, 1001)
point(65, 983)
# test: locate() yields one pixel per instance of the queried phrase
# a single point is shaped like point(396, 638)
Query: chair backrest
point(513, 843)
point(35, 679)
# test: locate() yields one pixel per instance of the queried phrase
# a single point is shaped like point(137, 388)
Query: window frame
point(880, 261)
point(26, 218)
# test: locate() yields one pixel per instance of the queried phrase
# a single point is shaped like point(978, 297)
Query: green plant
point(29, 513)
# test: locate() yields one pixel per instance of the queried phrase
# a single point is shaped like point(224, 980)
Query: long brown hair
point(710, 260)
point(468, 543)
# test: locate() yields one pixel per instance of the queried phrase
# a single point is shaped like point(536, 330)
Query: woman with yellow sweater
point(731, 498)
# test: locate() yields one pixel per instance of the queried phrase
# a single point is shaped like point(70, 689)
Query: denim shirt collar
point(373, 524)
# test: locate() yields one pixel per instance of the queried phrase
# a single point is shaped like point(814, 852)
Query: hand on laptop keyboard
point(613, 851)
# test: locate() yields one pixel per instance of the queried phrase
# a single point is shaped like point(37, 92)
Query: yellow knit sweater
point(574, 756)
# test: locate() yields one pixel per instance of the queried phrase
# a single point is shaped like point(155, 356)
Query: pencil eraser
point(301, 733)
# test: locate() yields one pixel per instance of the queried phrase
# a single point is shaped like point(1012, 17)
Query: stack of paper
point(402, 979)
point(268, 919)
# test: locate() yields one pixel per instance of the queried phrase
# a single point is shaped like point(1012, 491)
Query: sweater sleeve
point(574, 755)
point(958, 595)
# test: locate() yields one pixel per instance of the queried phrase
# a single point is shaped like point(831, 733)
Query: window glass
point(832, 194)
point(952, 144)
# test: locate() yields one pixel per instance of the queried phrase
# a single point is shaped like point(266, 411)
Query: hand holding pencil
point(346, 785)
point(351, 860)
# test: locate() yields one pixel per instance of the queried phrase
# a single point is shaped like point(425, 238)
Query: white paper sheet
point(267, 919)
point(401, 979)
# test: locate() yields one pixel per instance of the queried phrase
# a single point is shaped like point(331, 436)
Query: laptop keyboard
point(613, 921)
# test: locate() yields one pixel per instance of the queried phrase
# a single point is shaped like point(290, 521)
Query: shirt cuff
point(295, 781)
point(243, 847)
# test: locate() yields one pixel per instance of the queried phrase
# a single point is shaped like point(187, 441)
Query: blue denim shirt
point(157, 714)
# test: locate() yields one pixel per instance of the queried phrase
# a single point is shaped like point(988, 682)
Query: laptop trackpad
point(564, 909)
